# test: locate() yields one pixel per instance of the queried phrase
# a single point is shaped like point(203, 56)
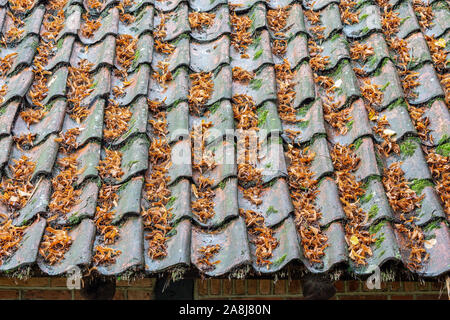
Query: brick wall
point(55, 289)
point(46, 288)
point(285, 289)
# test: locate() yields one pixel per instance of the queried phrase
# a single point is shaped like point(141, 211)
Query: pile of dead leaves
point(205, 255)
point(388, 144)
point(440, 170)
point(110, 167)
point(163, 75)
point(390, 23)
point(285, 92)
point(240, 37)
point(438, 52)
point(244, 109)
point(404, 200)
point(124, 16)
point(53, 24)
point(64, 195)
point(68, 140)
point(358, 239)
point(90, 25)
point(21, 6)
point(80, 85)
point(348, 13)
point(107, 200)
point(277, 20)
point(199, 20)
point(17, 190)
point(201, 90)
point(126, 46)
point(24, 140)
point(424, 13)
point(6, 63)
point(361, 52)
point(421, 123)
point(158, 216)
point(10, 237)
point(336, 118)
point(261, 236)
point(371, 93)
point(54, 245)
point(116, 120)
point(303, 188)
point(242, 75)
point(203, 205)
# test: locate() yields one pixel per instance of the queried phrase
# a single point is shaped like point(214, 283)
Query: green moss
point(385, 86)
point(302, 111)
point(418, 185)
point(408, 148)
point(379, 241)
point(171, 201)
point(335, 37)
point(255, 84)
point(171, 233)
point(256, 43)
point(366, 197)
point(376, 227)
point(60, 43)
point(94, 85)
point(357, 143)
point(444, 149)
point(258, 54)
point(222, 184)
point(349, 124)
point(214, 107)
point(363, 17)
point(404, 19)
point(396, 103)
point(74, 219)
point(279, 261)
point(303, 124)
point(432, 226)
point(372, 61)
point(262, 117)
point(373, 211)
point(271, 210)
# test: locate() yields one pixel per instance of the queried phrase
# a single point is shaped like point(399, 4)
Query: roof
point(353, 131)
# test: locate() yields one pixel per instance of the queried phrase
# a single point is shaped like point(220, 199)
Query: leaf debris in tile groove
point(358, 239)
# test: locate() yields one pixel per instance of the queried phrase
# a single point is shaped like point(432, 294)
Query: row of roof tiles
point(189, 56)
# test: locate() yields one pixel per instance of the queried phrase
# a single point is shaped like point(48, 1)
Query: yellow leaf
point(440, 43)
point(372, 115)
point(354, 240)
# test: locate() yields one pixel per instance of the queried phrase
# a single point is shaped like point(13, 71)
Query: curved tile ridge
point(233, 249)
point(16, 85)
point(25, 51)
point(176, 22)
point(206, 5)
point(80, 252)
point(206, 57)
point(30, 24)
point(27, 252)
point(130, 244)
point(219, 26)
point(109, 25)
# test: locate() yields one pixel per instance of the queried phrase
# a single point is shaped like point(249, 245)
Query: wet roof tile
point(210, 49)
